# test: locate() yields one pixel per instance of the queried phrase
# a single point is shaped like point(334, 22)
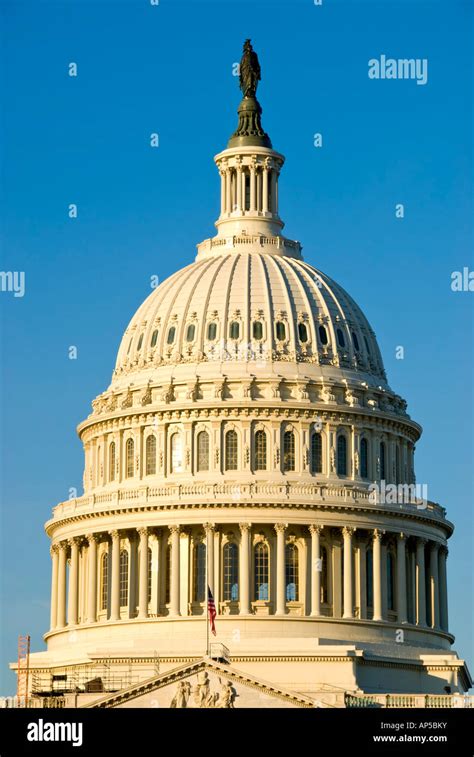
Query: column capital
point(402, 536)
point(348, 531)
point(421, 541)
point(93, 538)
point(175, 529)
point(74, 541)
point(209, 528)
point(377, 534)
point(245, 527)
point(444, 550)
point(143, 531)
point(54, 549)
point(315, 529)
point(62, 545)
point(114, 534)
point(280, 528)
point(434, 546)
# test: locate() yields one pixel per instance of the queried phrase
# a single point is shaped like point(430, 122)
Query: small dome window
point(340, 338)
point(190, 332)
point(140, 342)
point(212, 331)
point(129, 345)
point(257, 330)
point(171, 335)
point(355, 341)
point(154, 338)
point(323, 335)
point(234, 330)
point(302, 332)
point(367, 345)
point(281, 331)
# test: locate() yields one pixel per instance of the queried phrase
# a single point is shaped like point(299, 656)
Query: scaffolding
point(82, 679)
point(23, 670)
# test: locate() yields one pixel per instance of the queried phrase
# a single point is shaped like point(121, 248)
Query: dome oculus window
point(257, 330)
point(340, 338)
point(234, 330)
point(355, 342)
point(154, 338)
point(171, 335)
point(281, 331)
point(303, 333)
point(190, 332)
point(212, 331)
point(323, 335)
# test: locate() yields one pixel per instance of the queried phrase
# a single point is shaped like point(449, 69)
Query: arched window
point(280, 331)
point(171, 335)
point(382, 461)
point(261, 564)
point(154, 338)
point(288, 451)
point(104, 580)
point(341, 455)
point(257, 330)
point(190, 332)
point(150, 574)
point(140, 342)
point(129, 458)
point(316, 453)
point(234, 330)
point(260, 450)
point(340, 338)
point(111, 461)
point(212, 331)
point(203, 451)
point(168, 575)
point(291, 572)
point(123, 577)
point(302, 332)
point(324, 574)
point(231, 450)
point(323, 335)
point(231, 572)
point(390, 581)
point(176, 453)
point(150, 455)
point(364, 458)
point(355, 342)
point(199, 572)
point(369, 577)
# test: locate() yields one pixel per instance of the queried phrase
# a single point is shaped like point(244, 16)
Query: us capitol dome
point(245, 443)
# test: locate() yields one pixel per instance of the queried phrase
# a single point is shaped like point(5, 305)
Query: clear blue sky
point(168, 69)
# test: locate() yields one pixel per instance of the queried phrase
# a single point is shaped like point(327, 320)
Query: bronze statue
point(249, 71)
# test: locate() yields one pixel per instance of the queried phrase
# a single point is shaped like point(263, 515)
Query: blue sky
point(141, 211)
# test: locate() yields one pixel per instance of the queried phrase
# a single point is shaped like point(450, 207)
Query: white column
point(443, 589)
point(420, 583)
point(174, 583)
point(253, 182)
point(239, 188)
point(348, 597)
point(217, 568)
point(434, 585)
point(61, 618)
point(54, 552)
point(362, 580)
point(280, 529)
point(274, 207)
point(115, 582)
point(243, 190)
point(316, 570)
point(228, 189)
point(222, 174)
point(377, 571)
point(92, 578)
point(143, 573)
point(72, 607)
point(401, 579)
point(244, 568)
point(265, 190)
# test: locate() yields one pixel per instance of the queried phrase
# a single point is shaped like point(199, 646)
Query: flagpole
point(207, 592)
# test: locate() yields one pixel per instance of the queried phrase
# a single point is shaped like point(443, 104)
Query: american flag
point(211, 610)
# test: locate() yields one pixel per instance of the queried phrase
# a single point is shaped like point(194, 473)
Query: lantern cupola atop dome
point(249, 169)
